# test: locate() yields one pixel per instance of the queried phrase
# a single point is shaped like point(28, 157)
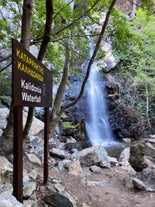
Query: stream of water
point(97, 122)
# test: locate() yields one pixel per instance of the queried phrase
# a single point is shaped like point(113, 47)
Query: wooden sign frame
point(32, 87)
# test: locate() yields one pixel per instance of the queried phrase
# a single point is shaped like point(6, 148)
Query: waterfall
point(97, 123)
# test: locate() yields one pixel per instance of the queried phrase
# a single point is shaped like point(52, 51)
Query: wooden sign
point(32, 81)
point(32, 87)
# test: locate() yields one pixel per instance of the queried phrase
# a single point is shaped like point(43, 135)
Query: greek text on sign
point(32, 81)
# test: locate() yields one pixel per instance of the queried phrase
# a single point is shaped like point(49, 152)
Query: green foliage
point(5, 86)
point(68, 125)
point(135, 50)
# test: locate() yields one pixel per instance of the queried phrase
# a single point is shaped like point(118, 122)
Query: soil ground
point(111, 193)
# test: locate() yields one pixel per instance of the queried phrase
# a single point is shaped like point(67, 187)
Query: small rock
point(75, 168)
point(95, 183)
point(62, 154)
point(59, 187)
point(96, 169)
point(113, 161)
point(63, 164)
point(33, 158)
point(139, 184)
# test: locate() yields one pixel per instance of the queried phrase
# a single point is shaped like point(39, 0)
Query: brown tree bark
point(45, 41)
point(58, 99)
point(25, 40)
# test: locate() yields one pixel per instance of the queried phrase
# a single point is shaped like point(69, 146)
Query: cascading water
point(97, 123)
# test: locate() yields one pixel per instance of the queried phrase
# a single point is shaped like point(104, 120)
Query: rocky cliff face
point(124, 120)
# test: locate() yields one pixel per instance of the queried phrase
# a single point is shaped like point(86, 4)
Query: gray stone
point(33, 158)
point(113, 161)
point(105, 163)
point(36, 144)
point(142, 154)
point(75, 168)
point(142, 159)
point(95, 183)
point(59, 187)
point(29, 188)
point(60, 199)
point(6, 187)
point(1, 132)
point(4, 112)
point(3, 122)
point(96, 169)
point(62, 154)
point(139, 184)
point(7, 200)
point(123, 160)
point(63, 164)
point(30, 203)
point(37, 125)
point(91, 156)
point(6, 169)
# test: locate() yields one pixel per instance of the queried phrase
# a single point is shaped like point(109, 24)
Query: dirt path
point(107, 189)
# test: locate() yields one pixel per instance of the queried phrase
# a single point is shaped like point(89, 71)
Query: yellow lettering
point(29, 71)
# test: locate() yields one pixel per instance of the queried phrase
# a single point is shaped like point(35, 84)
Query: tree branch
point(77, 19)
point(47, 32)
point(92, 59)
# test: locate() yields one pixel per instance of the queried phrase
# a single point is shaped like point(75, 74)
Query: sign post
point(32, 87)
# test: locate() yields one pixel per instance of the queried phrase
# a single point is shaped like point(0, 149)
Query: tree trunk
point(45, 41)
point(58, 99)
point(25, 40)
point(133, 12)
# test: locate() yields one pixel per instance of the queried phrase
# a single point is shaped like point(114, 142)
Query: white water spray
point(97, 123)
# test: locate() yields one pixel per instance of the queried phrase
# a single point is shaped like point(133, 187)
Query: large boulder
point(142, 159)
point(142, 154)
point(95, 155)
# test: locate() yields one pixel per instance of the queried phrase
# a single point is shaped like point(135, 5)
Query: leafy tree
point(67, 31)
